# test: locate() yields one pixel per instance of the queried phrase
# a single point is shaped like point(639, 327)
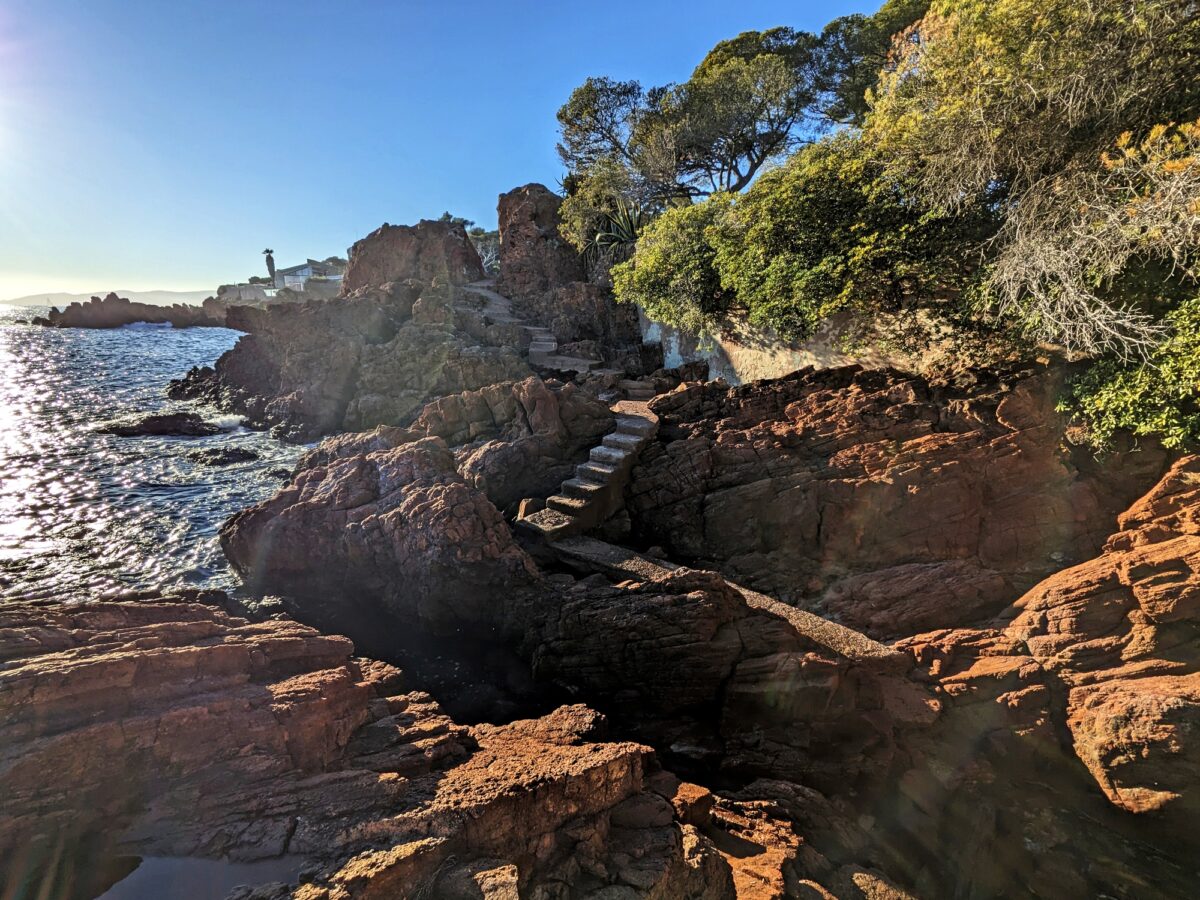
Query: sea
point(85, 514)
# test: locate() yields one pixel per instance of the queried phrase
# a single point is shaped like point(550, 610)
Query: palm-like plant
point(617, 234)
point(270, 255)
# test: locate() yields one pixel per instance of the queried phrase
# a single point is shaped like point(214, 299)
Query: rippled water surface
point(82, 513)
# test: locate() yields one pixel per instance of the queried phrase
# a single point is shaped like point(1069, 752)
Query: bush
point(1156, 397)
point(672, 275)
point(823, 234)
point(827, 232)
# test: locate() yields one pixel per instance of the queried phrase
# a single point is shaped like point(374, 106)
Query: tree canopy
point(1003, 174)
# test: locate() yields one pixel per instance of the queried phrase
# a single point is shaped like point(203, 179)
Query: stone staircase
point(539, 343)
point(597, 489)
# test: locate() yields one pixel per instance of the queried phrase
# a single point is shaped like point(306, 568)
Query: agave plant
point(617, 234)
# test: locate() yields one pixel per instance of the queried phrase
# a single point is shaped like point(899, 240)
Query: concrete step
point(610, 455)
point(568, 363)
point(635, 425)
point(621, 441)
point(578, 487)
point(563, 504)
point(542, 346)
point(595, 471)
point(628, 384)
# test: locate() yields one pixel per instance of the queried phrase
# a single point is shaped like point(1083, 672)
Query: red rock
point(428, 252)
point(534, 257)
point(878, 497)
point(168, 728)
point(115, 312)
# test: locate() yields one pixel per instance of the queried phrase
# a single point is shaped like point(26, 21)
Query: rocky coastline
point(540, 618)
point(115, 312)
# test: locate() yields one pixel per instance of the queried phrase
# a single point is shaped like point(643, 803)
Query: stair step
point(609, 455)
point(628, 384)
point(568, 363)
point(584, 490)
point(595, 471)
point(620, 441)
point(635, 425)
point(568, 505)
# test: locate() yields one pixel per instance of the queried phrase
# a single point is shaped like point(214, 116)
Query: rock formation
point(351, 363)
point(398, 526)
point(545, 276)
point(388, 527)
point(534, 258)
point(114, 312)
point(182, 424)
point(1041, 745)
point(890, 503)
point(430, 252)
point(165, 727)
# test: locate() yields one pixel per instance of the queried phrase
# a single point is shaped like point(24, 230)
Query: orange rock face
point(884, 501)
point(428, 251)
point(167, 727)
point(1098, 664)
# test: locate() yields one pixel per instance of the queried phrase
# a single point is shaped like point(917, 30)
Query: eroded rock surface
point(545, 276)
point(387, 526)
point(429, 251)
point(398, 526)
point(166, 727)
point(888, 502)
point(534, 258)
point(351, 363)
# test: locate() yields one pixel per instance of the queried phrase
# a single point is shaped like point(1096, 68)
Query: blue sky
point(163, 143)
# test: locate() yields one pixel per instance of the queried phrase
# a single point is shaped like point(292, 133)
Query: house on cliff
point(297, 277)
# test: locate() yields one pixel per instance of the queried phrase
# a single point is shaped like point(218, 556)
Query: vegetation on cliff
point(979, 175)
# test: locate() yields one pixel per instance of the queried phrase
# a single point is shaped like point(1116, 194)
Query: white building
point(297, 276)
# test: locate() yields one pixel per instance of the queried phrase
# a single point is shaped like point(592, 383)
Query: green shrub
point(672, 276)
point(1155, 397)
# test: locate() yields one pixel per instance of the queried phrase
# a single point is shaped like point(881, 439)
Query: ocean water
point(83, 514)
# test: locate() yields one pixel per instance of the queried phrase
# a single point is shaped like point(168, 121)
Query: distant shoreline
point(154, 297)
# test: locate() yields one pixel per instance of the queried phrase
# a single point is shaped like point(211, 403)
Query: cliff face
point(885, 501)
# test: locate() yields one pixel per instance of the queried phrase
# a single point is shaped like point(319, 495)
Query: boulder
point(222, 456)
point(428, 252)
point(182, 424)
point(396, 526)
point(534, 258)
